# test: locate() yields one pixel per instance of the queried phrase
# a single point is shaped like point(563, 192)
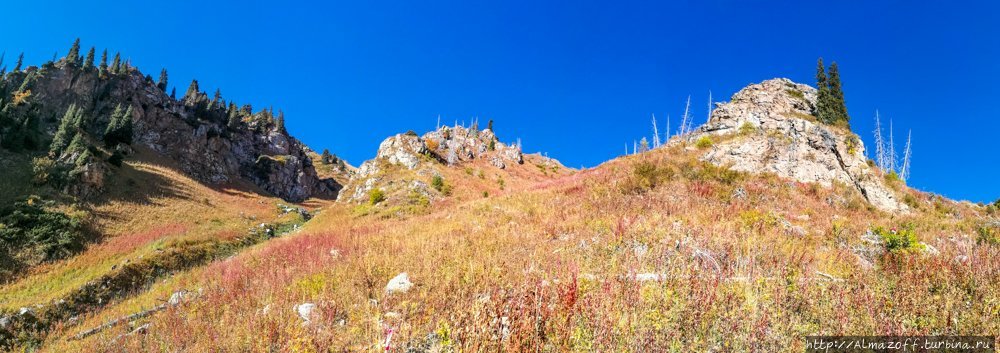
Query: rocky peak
point(448, 145)
point(192, 132)
point(773, 130)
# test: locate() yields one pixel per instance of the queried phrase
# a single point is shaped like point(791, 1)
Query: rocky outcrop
point(421, 154)
point(194, 134)
point(774, 131)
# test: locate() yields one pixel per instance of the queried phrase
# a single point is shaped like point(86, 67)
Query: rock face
point(197, 137)
point(419, 154)
point(776, 132)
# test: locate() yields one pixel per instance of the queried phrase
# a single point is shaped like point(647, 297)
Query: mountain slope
point(667, 250)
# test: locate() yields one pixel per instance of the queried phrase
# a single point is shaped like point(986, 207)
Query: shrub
point(32, 234)
point(747, 128)
point(116, 159)
point(375, 196)
point(891, 177)
point(645, 176)
point(988, 235)
point(899, 241)
point(437, 182)
point(703, 142)
point(410, 133)
point(492, 145)
point(796, 93)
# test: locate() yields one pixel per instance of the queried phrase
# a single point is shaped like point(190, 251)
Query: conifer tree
point(74, 53)
point(119, 129)
point(89, 63)
point(162, 83)
point(234, 117)
point(20, 60)
point(192, 91)
point(67, 127)
point(217, 98)
point(326, 157)
point(279, 123)
point(173, 93)
point(116, 64)
point(489, 125)
point(104, 62)
point(839, 106)
point(824, 109)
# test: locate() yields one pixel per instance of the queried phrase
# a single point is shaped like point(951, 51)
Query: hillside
point(134, 221)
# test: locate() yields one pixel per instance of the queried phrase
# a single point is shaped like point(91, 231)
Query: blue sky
point(574, 79)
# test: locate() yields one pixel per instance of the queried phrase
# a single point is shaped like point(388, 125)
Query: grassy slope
point(554, 265)
point(149, 208)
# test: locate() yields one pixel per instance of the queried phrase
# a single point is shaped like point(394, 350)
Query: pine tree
point(823, 104)
point(217, 98)
point(162, 83)
point(234, 117)
point(104, 62)
point(116, 64)
point(71, 122)
point(326, 157)
point(20, 60)
point(192, 91)
point(839, 106)
point(279, 123)
point(74, 53)
point(489, 125)
point(119, 129)
point(173, 93)
point(89, 63)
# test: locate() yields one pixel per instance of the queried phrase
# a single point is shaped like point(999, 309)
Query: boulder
point(399, 284)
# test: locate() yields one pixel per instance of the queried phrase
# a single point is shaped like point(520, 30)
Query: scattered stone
point(739, 194)
point(305, 311)
point(335, 253)
point(399, 284)
point(177, 298)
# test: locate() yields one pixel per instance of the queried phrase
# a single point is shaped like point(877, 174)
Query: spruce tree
point(67, 127)
point(119, 129)
point(116, 64)
point(162, 83)
point(104, 62)
point(839, 105)
point(326, 157)
point(279, 123)
point(173, 93)
point(89, 63)
point(20, 60)
point(74, 53)
point(192, 91)
point(234, 117)
point(823, 104)
point(217, 98)
point(489, 125)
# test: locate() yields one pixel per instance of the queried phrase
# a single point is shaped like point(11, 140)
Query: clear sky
point(575, 79)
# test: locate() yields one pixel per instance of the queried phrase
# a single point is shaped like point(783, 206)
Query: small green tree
point(375, 196)
point(326, 157)
point(73, 56)
point(68, 127)
point(89, 63)
point(192, 91)
point(20, 61)
point(836, 99)
point(824, 108)
point(104, 62)
point(116, 64)
point(119, 129)
point(162, 83)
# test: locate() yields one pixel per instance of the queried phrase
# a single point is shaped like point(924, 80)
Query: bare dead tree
point(668, 128)
point(880, 150)
point(686, 119)
point(656, 134)
point(709, 114)
point(904, 171)
point(892, 149)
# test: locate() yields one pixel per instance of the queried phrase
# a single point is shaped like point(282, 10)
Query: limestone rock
point(775, 132)
point(399, 284)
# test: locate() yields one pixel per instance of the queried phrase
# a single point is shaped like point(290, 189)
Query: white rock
point(305, 311)
point(399, 284)
point(177, 298)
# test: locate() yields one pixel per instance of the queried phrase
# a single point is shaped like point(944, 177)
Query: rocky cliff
point(412, 158)
point(774, 131)
point(193, 131)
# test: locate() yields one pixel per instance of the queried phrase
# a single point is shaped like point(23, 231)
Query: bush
point(29, 234)
point(432, 144)
point(410, 133)
point(704, 142)
point(747, 128)
point(989, 234)
point(437, 182)
point(375, 196)
point(899, 241)
point(645, 176)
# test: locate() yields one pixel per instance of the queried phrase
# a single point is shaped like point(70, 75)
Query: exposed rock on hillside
point(776, 133)
point(192, 131)
point(419, 154)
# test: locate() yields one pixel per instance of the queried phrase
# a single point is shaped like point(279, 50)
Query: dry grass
point(578, 264)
